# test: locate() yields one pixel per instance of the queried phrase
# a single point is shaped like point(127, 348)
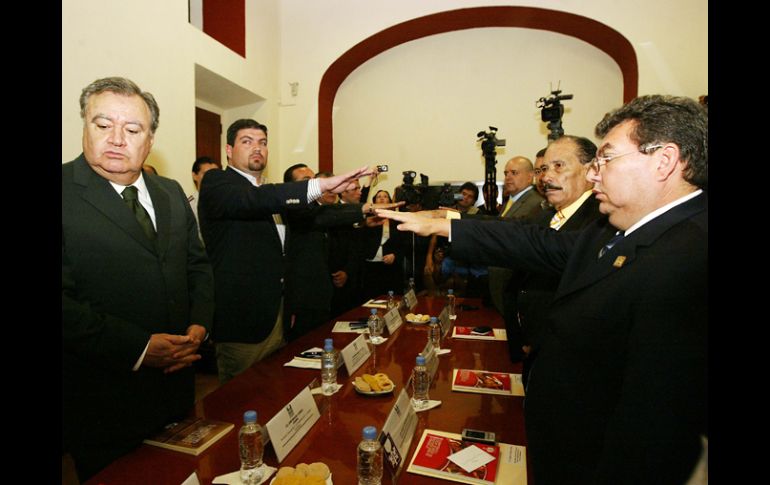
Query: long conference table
point(268, 386)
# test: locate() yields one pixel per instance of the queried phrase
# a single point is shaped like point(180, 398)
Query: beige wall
point(152, 43)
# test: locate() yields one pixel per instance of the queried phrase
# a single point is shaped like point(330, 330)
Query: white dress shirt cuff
point(313, 190)
point(141, 358)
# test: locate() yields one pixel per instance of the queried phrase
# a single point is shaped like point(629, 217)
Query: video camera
point(552, 111)
point(488, 148)
point(429, 197)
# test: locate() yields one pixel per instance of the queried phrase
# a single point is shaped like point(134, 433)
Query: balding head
point(518, 175)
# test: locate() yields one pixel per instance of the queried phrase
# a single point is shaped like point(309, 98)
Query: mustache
point(547, 186)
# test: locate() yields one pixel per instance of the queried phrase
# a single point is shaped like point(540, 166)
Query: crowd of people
point(599, 270)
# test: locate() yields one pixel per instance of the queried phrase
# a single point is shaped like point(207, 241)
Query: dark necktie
point(131, 197)
point(615, 239)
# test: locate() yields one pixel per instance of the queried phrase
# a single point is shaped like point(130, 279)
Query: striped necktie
point(615, 239)
point(557, 220)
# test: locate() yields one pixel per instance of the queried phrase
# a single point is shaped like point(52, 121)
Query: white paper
point(234, 478)
point(430, 405)
point(192, 480)
point(320, 389)
point(292, 423)
point(369, 341)
point(517, 386)
point(375, 304)
point(344, 327)
point(303, 363)
point(355, 354)
point(443, 351)
point(470, 458)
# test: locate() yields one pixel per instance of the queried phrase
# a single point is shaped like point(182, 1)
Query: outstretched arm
point(423, 226)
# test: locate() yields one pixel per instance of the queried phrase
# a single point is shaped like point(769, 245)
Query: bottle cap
point(450, 291)
point(433, 320)
point(369, 433)
point(374, 311)
point(250, 416)
point(328, 344)
point(420, 360)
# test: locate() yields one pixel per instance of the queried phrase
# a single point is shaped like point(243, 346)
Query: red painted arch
point(595, 33)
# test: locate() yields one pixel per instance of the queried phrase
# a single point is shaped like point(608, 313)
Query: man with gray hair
point(137, 287)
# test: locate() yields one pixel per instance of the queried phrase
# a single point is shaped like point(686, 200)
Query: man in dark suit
point(618, 391)
point(137, 297)
point(562, 173)
point(243, 226)
point(309, 282)
point(523, 204)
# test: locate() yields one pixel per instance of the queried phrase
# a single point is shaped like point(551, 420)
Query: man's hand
point(428, 266)
point(389, 258)
point(416, 223)
point(369, 208)
point(171, 352)
point(374, 221)
point(341, 183)
point(339, 278)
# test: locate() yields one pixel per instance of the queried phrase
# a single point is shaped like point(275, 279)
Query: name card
point(411, 299)
point(398, 431)
point(445, 322)
point(292, 423)
point(431, 360)
point(393, 319)
point(355, 354)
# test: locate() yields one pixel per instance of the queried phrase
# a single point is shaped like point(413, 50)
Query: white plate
point(328, 480)
point(372, 393)
point(419, 322)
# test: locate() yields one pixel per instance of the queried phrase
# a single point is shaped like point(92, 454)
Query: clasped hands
point(174, 352)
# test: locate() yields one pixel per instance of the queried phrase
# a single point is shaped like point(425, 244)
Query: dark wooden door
point(208, 135)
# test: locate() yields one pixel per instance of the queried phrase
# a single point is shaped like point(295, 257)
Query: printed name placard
point(398, 431)
point(411, 299)
point(355, 354)
point(393, 319)
point(445, 322)
point(431, 360)
point(292, 423)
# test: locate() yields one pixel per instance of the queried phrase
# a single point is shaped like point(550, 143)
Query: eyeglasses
point(556, 166)
point(599, 160)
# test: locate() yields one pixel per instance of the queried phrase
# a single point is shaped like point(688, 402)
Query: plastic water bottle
point(252, 448)
point(375, 325)
point(420, 383)
point(411, 285)
point(369, 458)
point(450, 302)
point(391, 300)
point(434, 333)
point(328, 368)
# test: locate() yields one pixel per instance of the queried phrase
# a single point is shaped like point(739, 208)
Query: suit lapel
point(98, 192)
point(592, 269)
point(517, 205)
point(243, 180)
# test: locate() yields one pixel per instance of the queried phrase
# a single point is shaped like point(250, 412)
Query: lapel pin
point(619, 261)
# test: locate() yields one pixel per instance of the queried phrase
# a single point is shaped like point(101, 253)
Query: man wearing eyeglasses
point(618, 391)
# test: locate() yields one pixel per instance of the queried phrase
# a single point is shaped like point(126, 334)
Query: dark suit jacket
point(118, 288)
point(345, 254)
point(618, 391)
point(379, 278)
point(526, 208)
point(245, 250)
point(309, 281)
point(537, 288)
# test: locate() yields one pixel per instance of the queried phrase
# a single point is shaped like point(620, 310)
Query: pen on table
point(311, 355)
